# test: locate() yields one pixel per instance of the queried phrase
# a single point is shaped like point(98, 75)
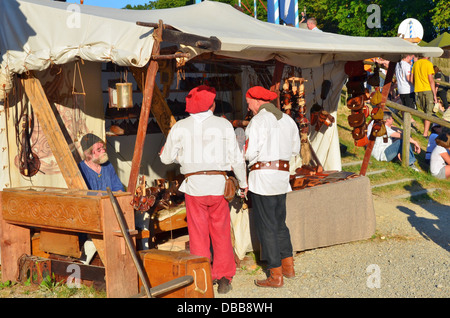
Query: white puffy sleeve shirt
point(204, 142)
point(269, 139)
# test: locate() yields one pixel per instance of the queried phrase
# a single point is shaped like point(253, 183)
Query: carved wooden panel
point(53, 210)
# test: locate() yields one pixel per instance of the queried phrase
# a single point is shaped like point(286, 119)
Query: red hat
point(200, 99)
point(259, 92)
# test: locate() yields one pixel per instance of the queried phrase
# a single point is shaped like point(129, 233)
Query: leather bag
point(356, 119)
point(231, 185)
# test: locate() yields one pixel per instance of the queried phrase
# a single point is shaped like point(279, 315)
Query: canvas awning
point(36, 33)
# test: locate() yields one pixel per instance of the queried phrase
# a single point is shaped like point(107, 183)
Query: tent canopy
point(34, 34)
point(443, 40)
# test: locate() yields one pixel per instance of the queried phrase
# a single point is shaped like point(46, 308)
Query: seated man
point(391, 148)
point(97, 171)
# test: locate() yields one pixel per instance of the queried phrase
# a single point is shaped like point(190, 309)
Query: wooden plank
point(420, 192)
point(121, 274)
point(14, 242)
point(58, 145)
point(61, 212)
point(276, 79)
point(391, 183)
point(60, 243)
point(419, 114)
point(406, 136)
point(160, 109)
point(145, 111)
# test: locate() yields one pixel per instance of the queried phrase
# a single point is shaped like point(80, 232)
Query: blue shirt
point(106, 178)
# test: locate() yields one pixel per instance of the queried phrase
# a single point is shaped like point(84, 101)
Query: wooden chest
point(162, 266)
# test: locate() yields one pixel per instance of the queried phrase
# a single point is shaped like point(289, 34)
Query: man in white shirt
point(206, 147)
point(311, 24)
point(272, 138)
point(405, 84)
point(387, 149)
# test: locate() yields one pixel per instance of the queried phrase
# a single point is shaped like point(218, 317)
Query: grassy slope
point(394, 171)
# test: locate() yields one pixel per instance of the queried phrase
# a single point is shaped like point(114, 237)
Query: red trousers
point(208, 219)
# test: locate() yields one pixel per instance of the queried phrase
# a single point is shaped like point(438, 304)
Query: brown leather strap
point(210, 172)
point(282, 165)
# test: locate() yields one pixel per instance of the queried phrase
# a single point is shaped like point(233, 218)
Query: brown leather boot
point(275, 280)
point(287, 266)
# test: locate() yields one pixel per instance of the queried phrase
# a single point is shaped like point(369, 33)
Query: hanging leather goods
point(286, 95)
point(142, 199)
point(359, 132)
point(29, 162)
point(355, 103)
point(356, 119)
point(326, 86)
point(314, 112)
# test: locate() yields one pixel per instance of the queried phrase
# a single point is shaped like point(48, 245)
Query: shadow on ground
point(436, 229)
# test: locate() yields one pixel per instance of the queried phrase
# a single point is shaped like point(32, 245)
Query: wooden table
point(71, 211)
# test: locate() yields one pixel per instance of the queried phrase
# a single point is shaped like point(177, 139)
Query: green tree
point(441, 15)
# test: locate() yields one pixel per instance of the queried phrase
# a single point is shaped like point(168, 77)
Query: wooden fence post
point(406, 136)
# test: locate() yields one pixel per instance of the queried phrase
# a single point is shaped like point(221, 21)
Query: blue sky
point(110, 3)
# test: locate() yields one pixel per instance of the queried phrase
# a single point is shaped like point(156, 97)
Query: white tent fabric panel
point(36, 33)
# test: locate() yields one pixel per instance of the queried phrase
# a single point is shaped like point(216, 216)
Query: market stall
point(60, 61)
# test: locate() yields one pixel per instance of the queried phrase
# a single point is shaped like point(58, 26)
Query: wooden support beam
point(406, 136)
point(145, 110)
point(160, 110)
point(58, 145)
point(384, 95)
point(276, 80)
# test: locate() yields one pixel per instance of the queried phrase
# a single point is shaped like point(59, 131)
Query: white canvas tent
point(36, 34)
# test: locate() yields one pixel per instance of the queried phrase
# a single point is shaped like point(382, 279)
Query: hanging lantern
point(124, 95)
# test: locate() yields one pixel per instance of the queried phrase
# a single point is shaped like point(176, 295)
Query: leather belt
point(208, 173)
point(282, 165)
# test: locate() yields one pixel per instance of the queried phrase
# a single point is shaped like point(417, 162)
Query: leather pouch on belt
point(231, 185)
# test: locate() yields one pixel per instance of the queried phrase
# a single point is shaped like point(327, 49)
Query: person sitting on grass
point(391, 148)
point(440, 157)
point(436, 130)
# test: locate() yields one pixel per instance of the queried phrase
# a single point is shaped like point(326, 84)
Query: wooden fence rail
point(407, 112)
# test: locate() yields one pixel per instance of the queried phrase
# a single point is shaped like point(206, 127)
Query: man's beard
point(101, 160)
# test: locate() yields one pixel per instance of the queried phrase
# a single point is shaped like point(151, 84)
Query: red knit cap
point(259, 92)
point(200, 99)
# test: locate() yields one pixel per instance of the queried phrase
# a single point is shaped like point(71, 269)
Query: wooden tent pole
point(276, 80)
point(384, 96)
point(145, 110)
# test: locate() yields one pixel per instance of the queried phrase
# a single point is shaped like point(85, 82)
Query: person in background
point(405, 84)
point(272, 139)
point(424, 88)
point(97, 171)
point(440, 157)
point(311, 24)
point(392, 148)
point(206, 147)
point(436, 130)
point(441, 89)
